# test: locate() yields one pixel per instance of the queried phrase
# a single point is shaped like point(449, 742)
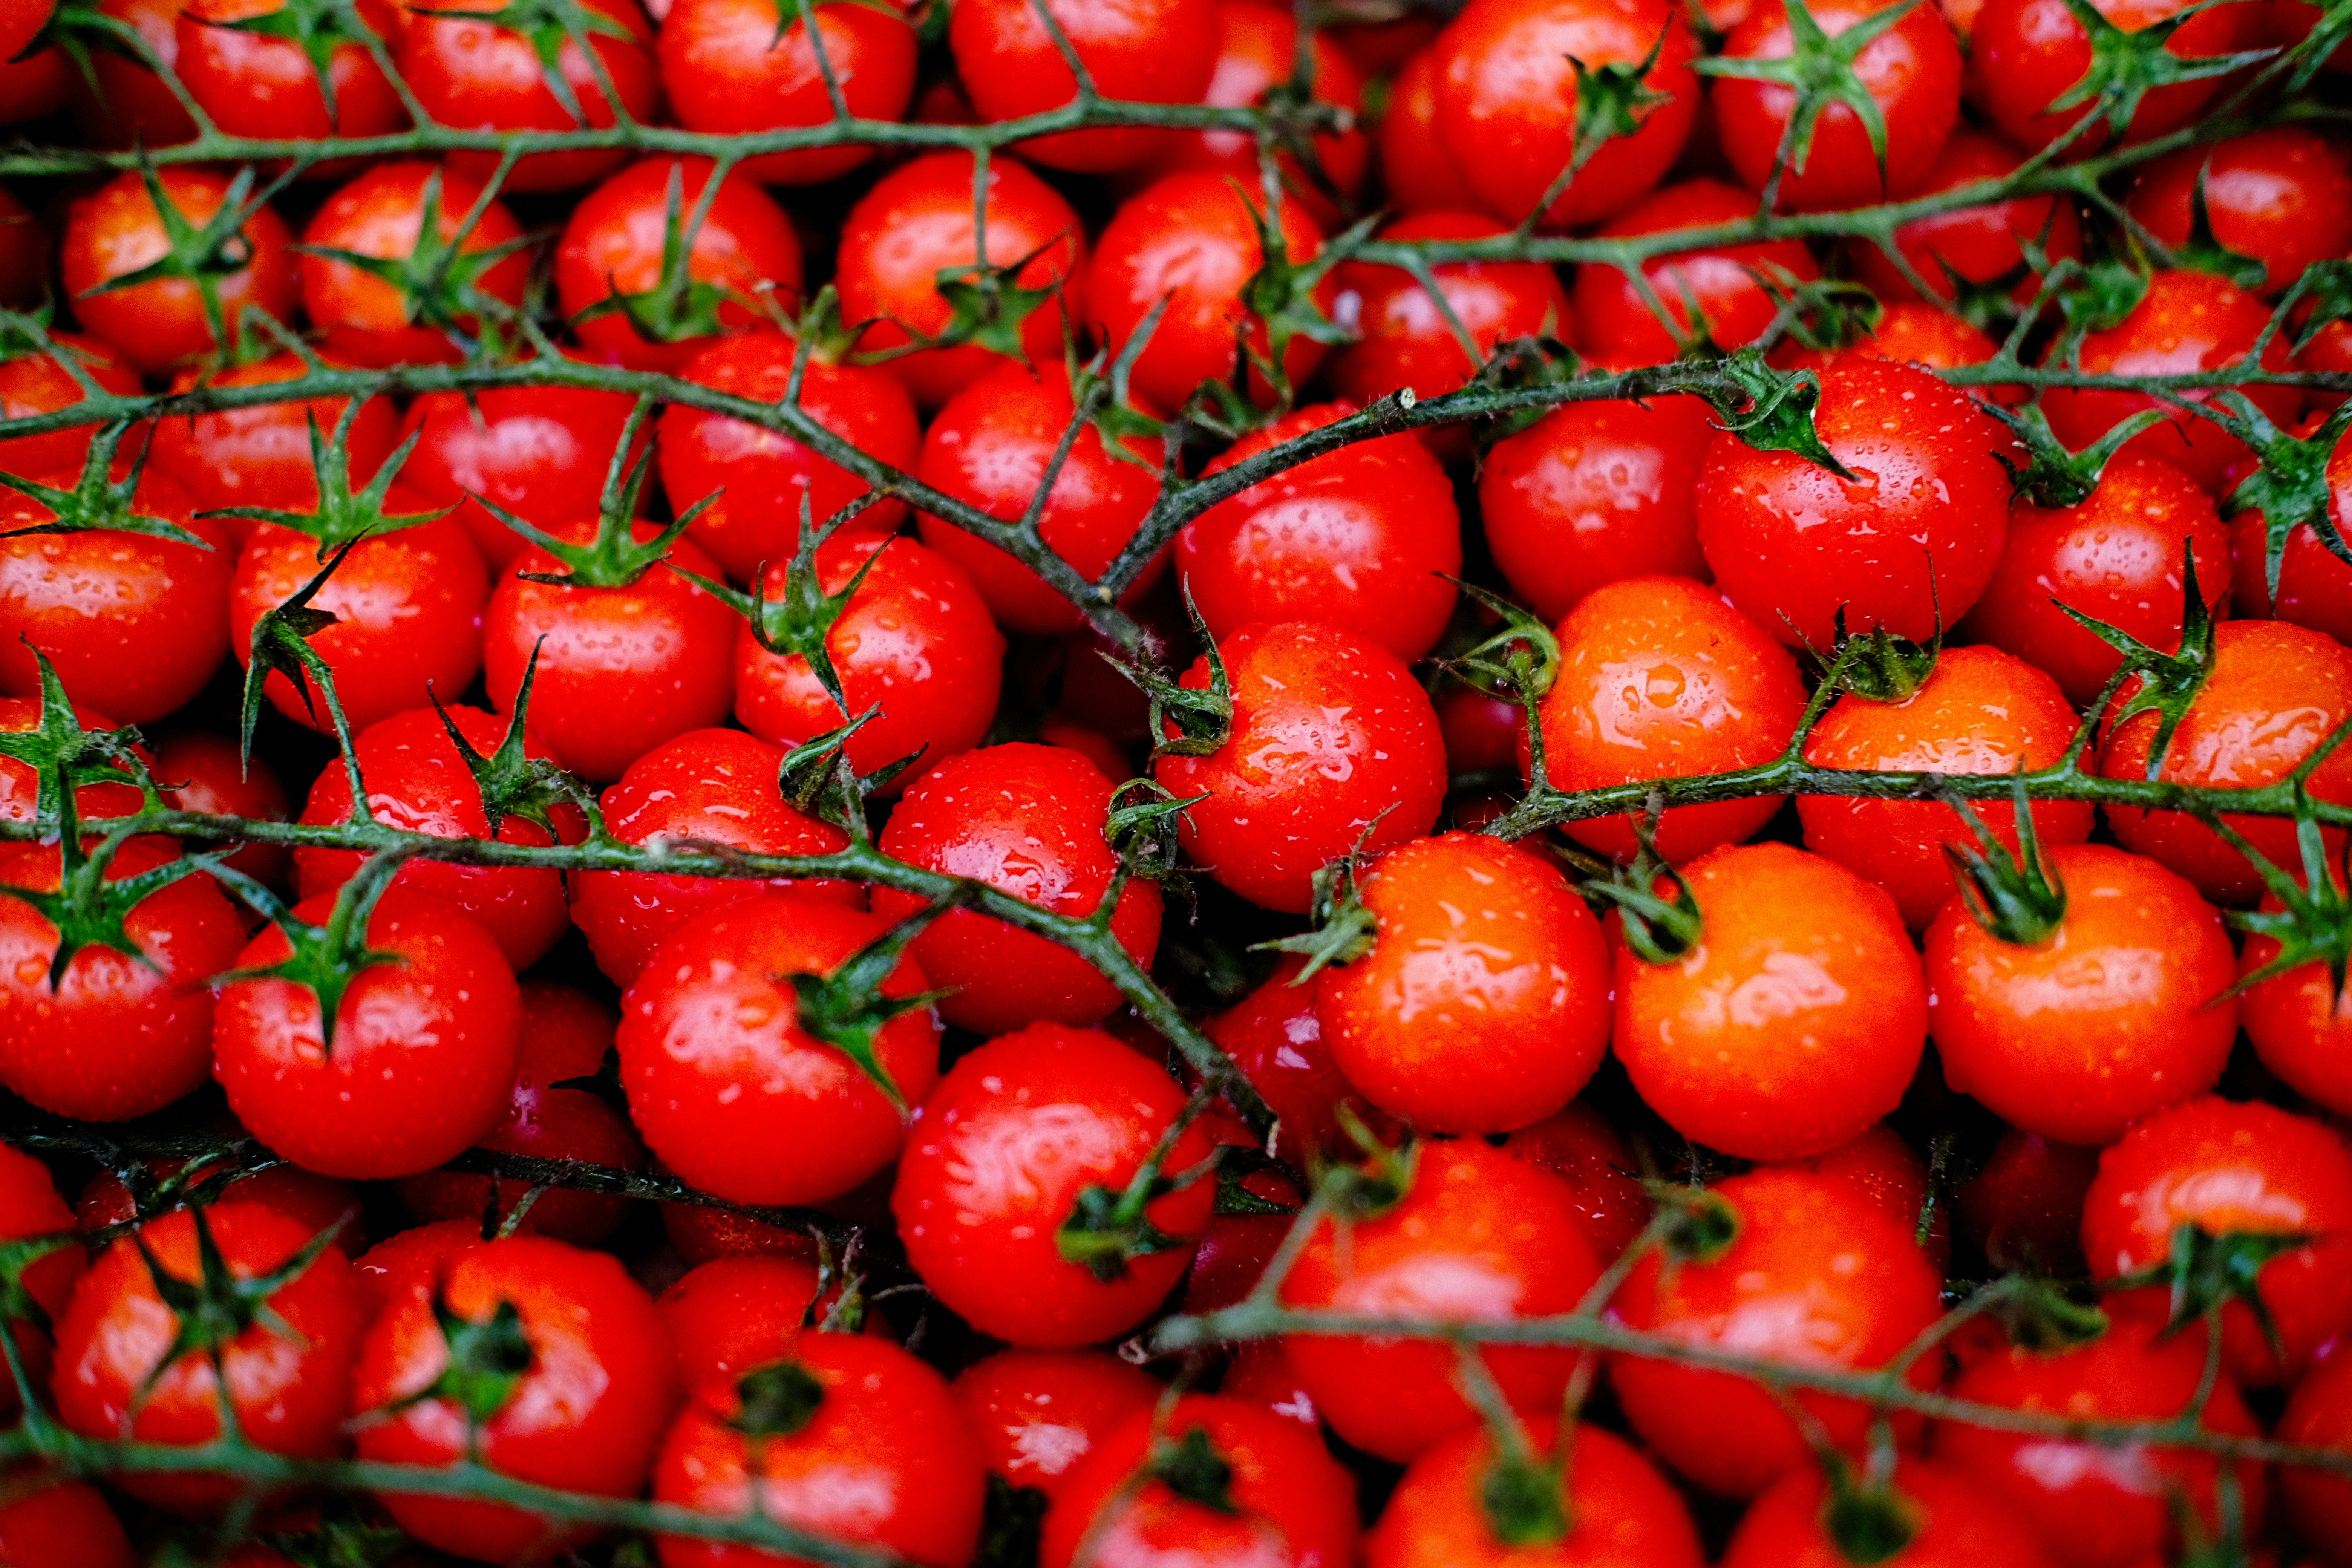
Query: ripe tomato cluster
point(1391, 797)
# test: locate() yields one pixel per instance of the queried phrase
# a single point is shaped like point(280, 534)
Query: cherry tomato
point(478, 76)
point(1421, 175)
point(2314, 586)
point(2109, 1016)
point(1578, 1144)
point(261, 456)
point(315, 1202)
point(1332, 748)
point(701, 1233)
point(2319, 1415)
point(539, 452)
point(1039, 1413)
point(1506, 102)
point(2024, 1209)
point(595, 1385)
point(1149, 51)
point(2283, 197)
point(370, 321)
point(1883, 1168)
point(1971, 246)
point(1482, 730)
point(1467, 1235)
point(1949, 1520)
point(386, 1271)
point(1910, 333)
point(2025, 54)
point(733, 68)
point(61, 1524)
point(19, 784)
point(34, 384)
point(116, 231)
point(2298, 1023)
point(121, 102)
point(30, 1207)
point(732, 1316)
point(1617, 1510)
point(995, 1185)
point(1275, 1036)
point(253, 81)
point(205, 773)
point(727, 1080)
point(1615, 323)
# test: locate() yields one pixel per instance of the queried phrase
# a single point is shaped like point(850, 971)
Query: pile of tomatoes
point(609, 953)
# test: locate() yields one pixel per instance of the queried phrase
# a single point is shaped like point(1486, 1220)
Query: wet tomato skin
point(1622, 1514)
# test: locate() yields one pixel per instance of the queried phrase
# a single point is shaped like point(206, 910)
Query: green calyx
point(280, 645)
point(679, 307)
point(202, 255)
point(988, 305)
point(437, 280)
point(2168, 682)
point(1772, 410)
point(216, 1307)
point(1659, 930)
point(1520, 658)
point(2202, 1272)
point(2018, 898)
point(1341, 929)
point(487, 1359)
point(1877, 666)
point(1140, 828)
point(1191, 1467)
point(2054, 475)
point(96, 500)
point(2039, 1315)
point(2314, 923)
point(1202, 717)
point(512, 782)
point(817, 777)
point(1868, 1520)
point(64, 757)
point(343, 517)
point(1818, 68)
point(799, 622)
point(777, 1400)
point(317, 28)
point(1612, 100)
point(847, 1009)
point(1522, 1498)
point(326, 959)
point(613, 558)
point(548, 25)
point(2290, 488)
point(1695, 1225)
point(1281, 292)
point(1106, 1228)
point(2125, 67)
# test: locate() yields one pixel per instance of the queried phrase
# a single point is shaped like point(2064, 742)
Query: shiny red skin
point(1910, 333)
point(2275, 692)
point(123, 103)
point(289, 1380)
point(1614, 323)
point(1477, 1236)
point(408, 614)
point(2026, 53)
point(2108, 1018)
point(717, 786)
point(886, 1462)
point(1883, 1168)
point(19, 786)
point(995, 1161)
point(917, 223)
point(701, 1234)
point(1257, 50)
point(1482, 730)
point(1151, 51)
point(34, 384)
point(714, 1014)
point(1292, 1502)
point(746, 249)
point(1980, 712)
point(1954, 1523)
point(2300, 1027)
point(1027, 820)
point(540, 452)
point(252, 83)
point(991, 448)
point(2117, 557)
point(1911, 71)
point(35, 86)
point(1724, 1040)
point(1981, 244)
point(1333, 747)
point(620, 670)
point(2024, 1209)
point(261, 456)
point(1658, 678)
point(133, 624)
point(1594, 493)
point(1621, 1512)
point(205, 773)
point(1505, 110)
point(476, 76)
point(60, 1524)
point(732, 1315)
point(389, 1270)
point(381, 213)
point(2187, 322)
point(1236, 1248)
point(1419, 173)
point(2231, 1169)
point(763, 476)
point(156, 325)
point(120, 1036)
point(1260, 1372)
point(1578, 1146)
point(1909, 544)
point(585, 1417)
point(2100, 1506)
point(2283, 197)
point(1275, 1037)
point(418, 781)
point(2319, 1502)
point(1192, 238)
point(2314, 582)
point(31, 1206)
point(1819, 1274)
point(1483, 1003)
point(1365, 538)
point(1038, 1414)
point(728, 70)
point(424, 1053)
point(915, 639)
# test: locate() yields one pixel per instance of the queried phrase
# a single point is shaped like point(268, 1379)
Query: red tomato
point(2283, 197)
point(1472, 1235)
point(2274, 693)
point(60, 1524)
point(1818, 1274)
point(701, 1233)
point(313, 1201)
point(1275, 1037)
point(1333, 748)
point(1951, 1521)
point(1882, 1167)
point(1909, 332)
point(478, 76)
point(30, 1206)
point(2024, 55)
point(2297, 1022)
point(19, 786)
point(1149, 51)
point(369, 320)
point(386, 1270)
point(915, 640)
point(1506, 102)
point(1982, 244)
point(1578, 1145)
point(424, 1057)
point(1421, 175)
point(1039, 1413)
point(123, 103)
point(1724, 1039)
point(991, 448)
point(727, 1080)
point(1027, 820)
point(1911, 71)
point(205, 773)
point(1907, 545)
point(2314, 582)
point(732, 1316)
point(1619, 1511)
point(116, 231)
point(1364, 539)
point(1192, 240)
point(596, 1385)
point(1980, 712)
point(711, 786)
point(2319, 1415)
point(1285, 1498)
point(735, 68)
point(1659, 677)
point(1000, 1158)
point(251, 81)
point(120, 1035)
point(744, 253)
point(261, 456)
point(34, 384)
point(760, 476)
point(916, 224)
point(2101, 1505)
point(418, 781)
point(287, 1357)
point(2227, 1170)
point(1482, 730)
point(884, 1461)
point(2024, 1209)
point(2108, 1017)
point(1615, 323)
point(540, 452)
